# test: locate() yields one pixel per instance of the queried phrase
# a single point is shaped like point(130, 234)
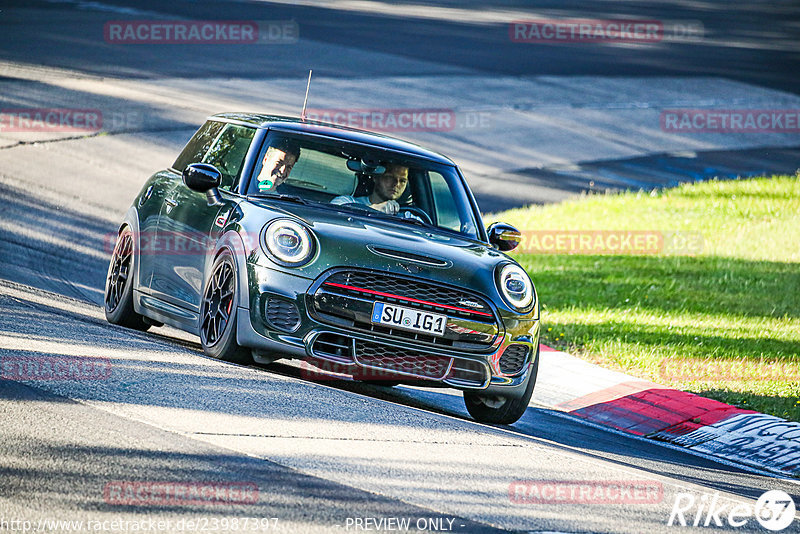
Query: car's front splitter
point(376, 357)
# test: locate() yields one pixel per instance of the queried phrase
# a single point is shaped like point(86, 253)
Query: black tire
point(218, 312)
point(499, 410)
point(118, 296)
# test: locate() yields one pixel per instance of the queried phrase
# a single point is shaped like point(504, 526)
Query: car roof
point(296, 125)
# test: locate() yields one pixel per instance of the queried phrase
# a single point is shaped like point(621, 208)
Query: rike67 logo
point(774, 510)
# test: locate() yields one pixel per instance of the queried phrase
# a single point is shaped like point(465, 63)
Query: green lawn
point(720, 318)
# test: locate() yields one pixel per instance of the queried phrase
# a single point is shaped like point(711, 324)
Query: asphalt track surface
point(750, 42)
point(322, 454)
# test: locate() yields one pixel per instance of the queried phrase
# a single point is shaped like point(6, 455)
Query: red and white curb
point(582, 389)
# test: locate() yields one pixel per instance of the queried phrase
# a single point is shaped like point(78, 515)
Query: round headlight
point(289, 243)
point(515, 286)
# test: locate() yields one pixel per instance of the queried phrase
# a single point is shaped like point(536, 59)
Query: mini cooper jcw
point(273, 237)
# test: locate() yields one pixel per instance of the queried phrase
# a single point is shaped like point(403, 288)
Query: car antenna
point(308, 86)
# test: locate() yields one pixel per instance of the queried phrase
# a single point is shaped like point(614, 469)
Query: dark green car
point(272, 237)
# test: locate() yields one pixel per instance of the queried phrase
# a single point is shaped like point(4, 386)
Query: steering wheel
point(408, 212)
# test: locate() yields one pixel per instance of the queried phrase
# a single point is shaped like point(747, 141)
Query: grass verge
point(711, 304)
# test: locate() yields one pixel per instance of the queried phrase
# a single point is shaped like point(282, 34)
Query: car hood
point(353, 240)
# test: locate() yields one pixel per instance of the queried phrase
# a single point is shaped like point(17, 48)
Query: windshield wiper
point(412, 221)
point(355, 206)
point(385, 216)
point(346, 207)
point(287, 198)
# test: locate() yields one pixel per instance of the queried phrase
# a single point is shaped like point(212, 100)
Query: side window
point(198, 145)
point(322, 172)
point(319, 173)
point(446, 210)
point(228, 152)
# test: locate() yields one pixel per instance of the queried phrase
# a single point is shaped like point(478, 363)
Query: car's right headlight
point(515, 285)
point(288, 243)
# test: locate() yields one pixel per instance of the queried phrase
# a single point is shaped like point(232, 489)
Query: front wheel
point(118, 299)
point(218, 313)
point(498, 409)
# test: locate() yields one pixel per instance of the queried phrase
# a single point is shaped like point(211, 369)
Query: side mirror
point(201, 177)
point(503, 236)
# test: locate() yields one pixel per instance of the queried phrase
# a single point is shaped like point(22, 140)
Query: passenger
point(277, 164)
point(389, 186)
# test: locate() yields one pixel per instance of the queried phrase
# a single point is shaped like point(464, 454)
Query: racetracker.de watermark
point(201, 32)
point(124, 523)
point(603, 31)
point(320, 370)
point(54, 368)
point(51, 120)
point(730, 120)
point(692, 369)
point(403, 120)
point(167, 242)
point(608, 242)
point(585, 31)
point(162, 493)
point(585, 492)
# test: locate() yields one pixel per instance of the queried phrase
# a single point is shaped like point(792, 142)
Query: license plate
point(408, 319)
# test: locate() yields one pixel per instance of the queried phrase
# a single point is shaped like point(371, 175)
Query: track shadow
point(734, 41)
point(52, 247)
point(134, 481)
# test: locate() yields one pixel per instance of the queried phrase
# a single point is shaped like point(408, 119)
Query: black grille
point(513, 359)
point(346, 299)
point(282, 314)
point(468, 373)
point(469, 305)
point(334, 346)
point(334, 349)
point(400, 360)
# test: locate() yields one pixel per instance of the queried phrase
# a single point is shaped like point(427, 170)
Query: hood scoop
point(403, 255)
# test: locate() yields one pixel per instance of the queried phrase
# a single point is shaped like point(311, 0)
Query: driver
point(277, 164)
point(389, 186)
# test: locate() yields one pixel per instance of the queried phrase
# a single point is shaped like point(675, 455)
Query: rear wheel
point(218, 313)
point(119, 284)
point(498, 409)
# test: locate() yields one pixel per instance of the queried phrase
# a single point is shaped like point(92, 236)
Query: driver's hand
point(409, 215)
point(390, 206)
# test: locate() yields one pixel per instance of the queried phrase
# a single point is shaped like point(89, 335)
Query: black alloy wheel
point(218, 313)
point(119, 285)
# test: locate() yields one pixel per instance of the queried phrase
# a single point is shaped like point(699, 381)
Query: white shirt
point(390, 206)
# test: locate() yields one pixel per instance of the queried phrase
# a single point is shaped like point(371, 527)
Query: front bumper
point(342, 348)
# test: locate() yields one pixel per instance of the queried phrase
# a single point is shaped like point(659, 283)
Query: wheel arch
point(131, 219)
point(233, 243)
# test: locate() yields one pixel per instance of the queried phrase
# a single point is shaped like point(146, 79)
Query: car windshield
point(363, 179)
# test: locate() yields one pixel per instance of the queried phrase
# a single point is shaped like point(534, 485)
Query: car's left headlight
point(288, 243)
point(516, 286)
